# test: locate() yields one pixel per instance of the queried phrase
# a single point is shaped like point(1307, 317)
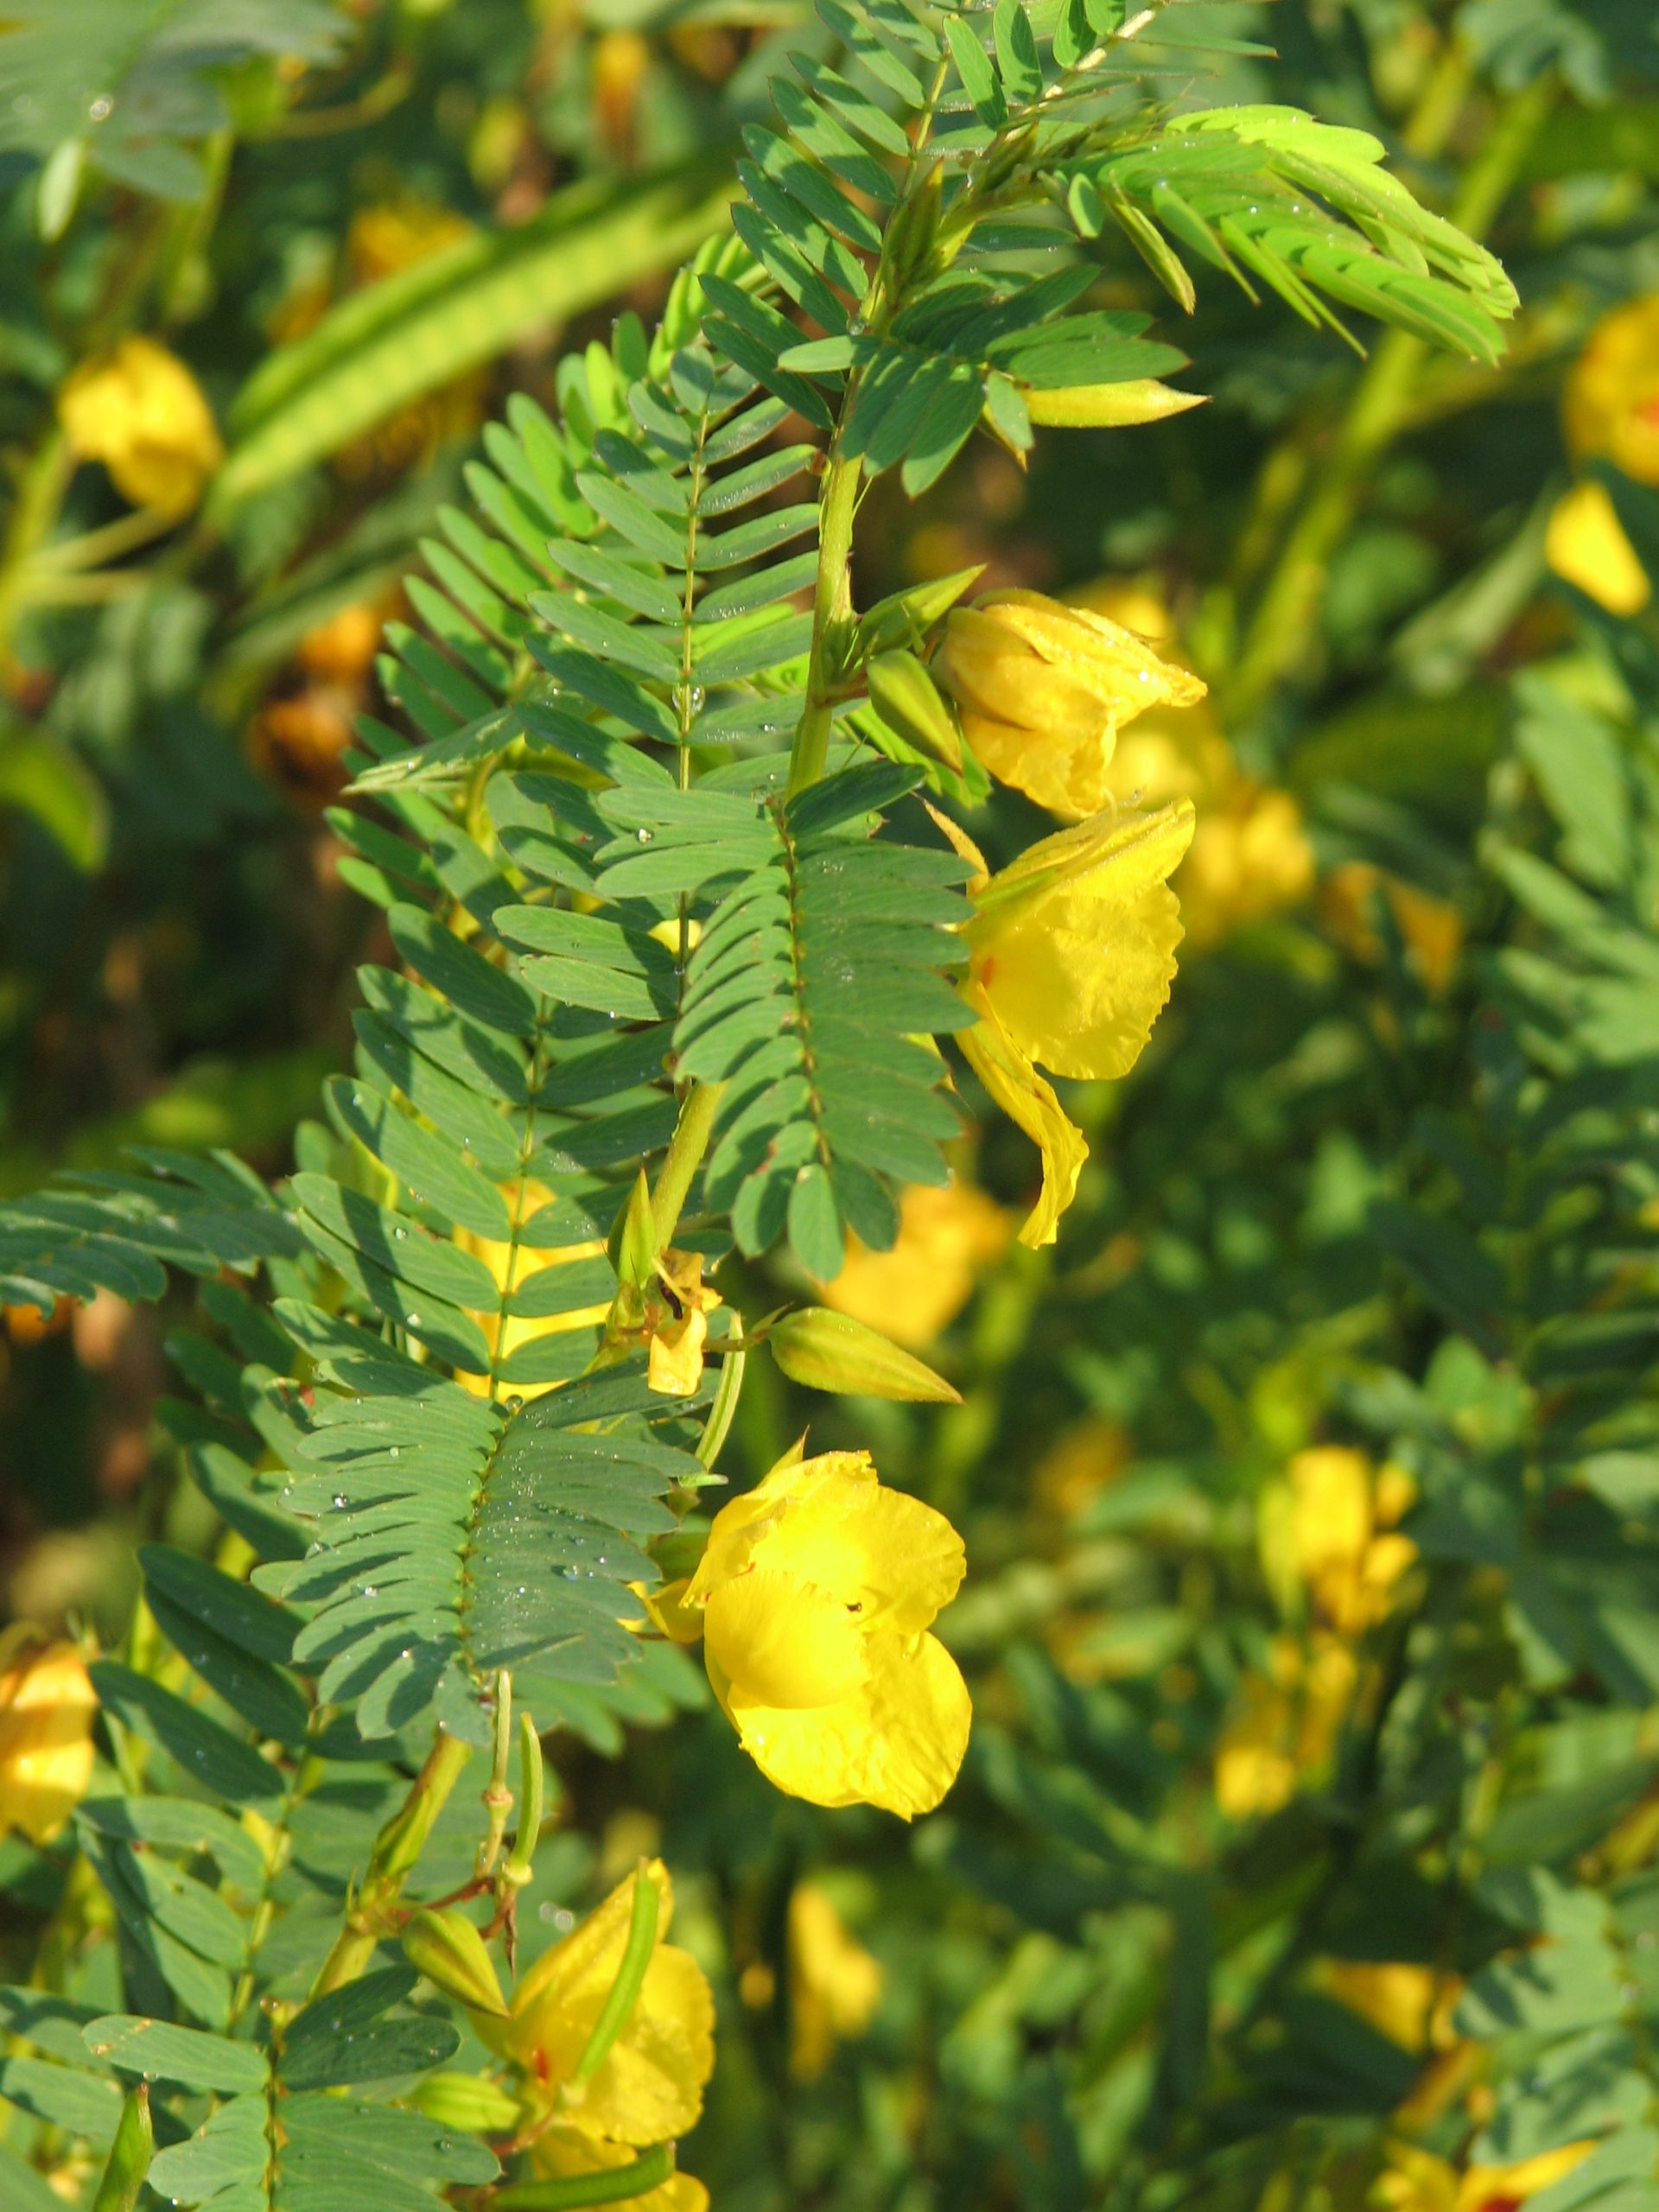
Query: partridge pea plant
point(682, 961)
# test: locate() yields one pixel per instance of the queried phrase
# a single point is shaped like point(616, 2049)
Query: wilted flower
point(1585, 543)
point(1611, 401)
point(835, 1984)
point(1045, 688)
point(946, 1236)
point(817, 1589)
point(648, 2088)
point(47, 1705)
point(140, 412)
point(678, 1306)
point(1287, 1725)
point(510, 1263)
point(1072, 953)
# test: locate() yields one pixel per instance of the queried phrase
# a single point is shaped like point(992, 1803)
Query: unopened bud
point(907, 700)
point(831, 1352)
point(1110, 406)
point(450, 1951)
point(463, 2101)
point(906, 617)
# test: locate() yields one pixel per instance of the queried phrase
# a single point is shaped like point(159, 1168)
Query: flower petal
point(1030, 1101)
point(829, 1523)
point(897, 1742)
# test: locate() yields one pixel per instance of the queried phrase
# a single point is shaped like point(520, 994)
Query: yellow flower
point(1084, 1460)
point(1585, 543)
point(1286, 1727)
point(1045, 688)
point(565, 2151)
point(1070, 956)
point(1411, 2005)
point(510, 1263)
point(1432, 927)
point(1415, 2180)
point(835, 1984)
point(1250, 856)
point(817, 1589)
point(648, 2087)
point(140, 412)
point(1611, 402)
point(946, 1237)
point(47, 1705)
point(1330, 1526)
point(677, 1307)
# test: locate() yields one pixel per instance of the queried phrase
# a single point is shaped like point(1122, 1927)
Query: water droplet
point(400, 1232)
point(568, 1573)
point(101, 108)
point(414, 1320)
point(340, 1501)
point(643, 836)
point(393, 1451)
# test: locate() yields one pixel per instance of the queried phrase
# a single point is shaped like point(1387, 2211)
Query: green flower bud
point(450, 1951)
point(831, 1352)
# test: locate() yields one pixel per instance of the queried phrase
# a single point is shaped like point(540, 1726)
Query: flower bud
point(908, 702)
point(831, 1352)
point(1110, 406)
point(450, 1951)
point(463, 2101)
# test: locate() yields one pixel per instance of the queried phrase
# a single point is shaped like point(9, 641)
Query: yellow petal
point(48, 1706)
point(674, 1364)
point(827, 1523)
point(649, 2086)
point(1496, 2189)
point(1585, 543)
point(140, 412)
point(783, 1643)
point(1030, 1102)
point(1064, 767)
point(897, 1742)
point(1077, 967)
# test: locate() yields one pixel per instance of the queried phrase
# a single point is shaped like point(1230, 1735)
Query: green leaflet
point(418, 330)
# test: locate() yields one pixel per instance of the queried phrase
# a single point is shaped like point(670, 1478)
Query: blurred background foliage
point(1305, 1854)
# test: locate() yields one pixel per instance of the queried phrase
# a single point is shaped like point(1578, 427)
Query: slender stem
point(396, 1852)
point(831, 607)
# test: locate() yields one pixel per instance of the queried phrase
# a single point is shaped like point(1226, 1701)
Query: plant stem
point(831, 607)
point(397, 1847)
point(1288, 609)
point(685, 1156)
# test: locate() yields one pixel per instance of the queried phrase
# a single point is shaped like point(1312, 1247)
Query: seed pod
point(463, 2101)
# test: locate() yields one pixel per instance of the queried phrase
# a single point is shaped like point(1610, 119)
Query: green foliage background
point(1333, 1202)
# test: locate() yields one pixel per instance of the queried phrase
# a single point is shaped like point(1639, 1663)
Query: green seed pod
point(450, 1951)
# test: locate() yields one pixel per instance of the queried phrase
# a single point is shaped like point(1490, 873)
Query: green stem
point(624, 1993)
point(396, 1849)
point(611, 2185)
point(831, 607)
point(1288, 609)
